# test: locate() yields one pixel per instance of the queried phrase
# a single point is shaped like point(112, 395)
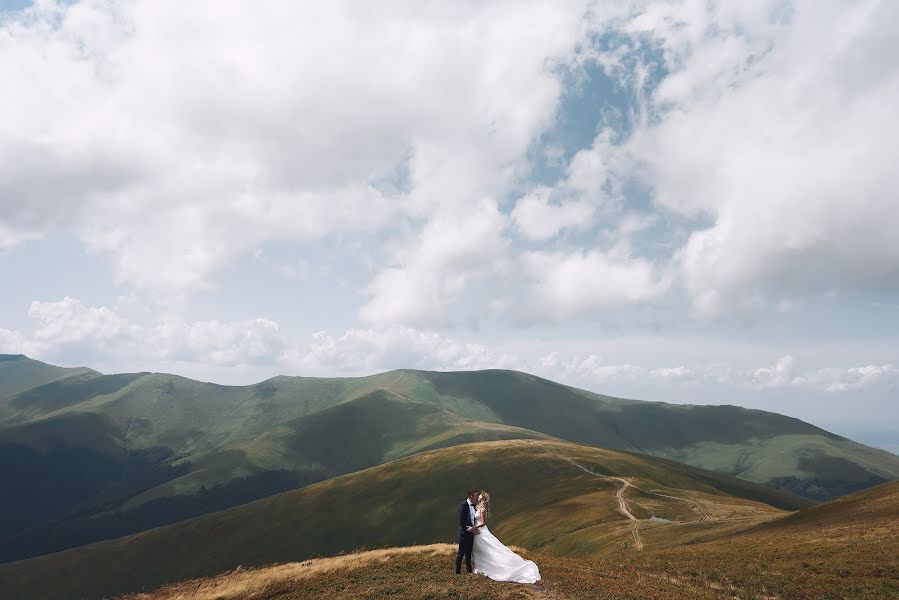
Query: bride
point(492, 558)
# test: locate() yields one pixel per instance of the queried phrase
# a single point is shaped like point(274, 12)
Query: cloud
point(784, 374)
point(857, 378)
point(72, 333)
point(679, 373)
point(571, 285)
point(175, 140)
point(68, 329)
point(537, 219)
point(14, 342)
point(775, 122)
point(368, 350)
point(593, 368)
point(433, 268)
point(780, 375)
point(251, 341)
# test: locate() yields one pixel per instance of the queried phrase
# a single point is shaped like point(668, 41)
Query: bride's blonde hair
point(484, 502)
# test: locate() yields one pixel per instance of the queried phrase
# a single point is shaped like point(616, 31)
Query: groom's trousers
point(466, 543)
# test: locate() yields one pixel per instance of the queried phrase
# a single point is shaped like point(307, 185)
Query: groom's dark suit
point(466, 539)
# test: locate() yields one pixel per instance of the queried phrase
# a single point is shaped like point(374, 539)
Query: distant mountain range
point(86, 456)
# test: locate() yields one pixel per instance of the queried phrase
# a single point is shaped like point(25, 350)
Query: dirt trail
point(695, 505)
point(622, 504)
point(622, 501)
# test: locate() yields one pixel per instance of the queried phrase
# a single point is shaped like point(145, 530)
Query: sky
point(689, 202)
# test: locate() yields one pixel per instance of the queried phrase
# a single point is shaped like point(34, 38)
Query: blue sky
point(677, 201)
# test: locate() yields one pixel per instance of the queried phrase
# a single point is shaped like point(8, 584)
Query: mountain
point(553, 497)
point(703, 536)
point(19, 373)
point(89, 456)
point(77, 477)
point(847, 548)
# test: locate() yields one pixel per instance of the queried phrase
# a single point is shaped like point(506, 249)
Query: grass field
point(848, 548)
point(552, 497)
point(417, 572)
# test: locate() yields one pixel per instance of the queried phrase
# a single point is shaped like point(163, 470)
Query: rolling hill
point(65, 493)
point(553, 497)
point(19, 373)
point(86, 456)
point(847, 548)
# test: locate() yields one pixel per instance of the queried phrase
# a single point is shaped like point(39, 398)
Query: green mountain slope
point(192, 418)
point(160, 448)
point(751, 444)
point(19, 373)
point(77, 477)
point(555, 497)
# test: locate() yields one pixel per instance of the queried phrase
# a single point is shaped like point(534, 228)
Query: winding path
point(695, 505)
point(622, 505)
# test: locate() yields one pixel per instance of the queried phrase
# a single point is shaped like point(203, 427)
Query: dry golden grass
point(848, 548)
point(246, 583)
point(419, 572)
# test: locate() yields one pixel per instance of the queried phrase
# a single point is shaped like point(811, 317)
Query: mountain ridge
point(161, 448)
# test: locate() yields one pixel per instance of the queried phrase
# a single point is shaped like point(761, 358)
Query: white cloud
point(550, 360)
point(175, 139)
point(566, 286)
point(776, 121)
point(856, 378)
point(784, 374)
point(68, 329)
point(679, 373)
point(252, 341)
point(537, 219)
point(69, 332)
point(14, 342)
point(434, 268)
point(369, 350)
point(780, 375)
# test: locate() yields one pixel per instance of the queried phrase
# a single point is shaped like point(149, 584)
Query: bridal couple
point(491, 557)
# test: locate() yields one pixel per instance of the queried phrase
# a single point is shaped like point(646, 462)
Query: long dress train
point(495, 560)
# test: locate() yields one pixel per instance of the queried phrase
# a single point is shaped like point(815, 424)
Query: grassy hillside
point(64, 493)
point(19, 373)
point(156, 448)
point(751, 444)
point(416, 572)
point(848, 548)
point(196, 420)
point(845, 548)
point(556, 498)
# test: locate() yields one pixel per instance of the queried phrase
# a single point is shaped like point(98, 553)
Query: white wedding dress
point(495, 560)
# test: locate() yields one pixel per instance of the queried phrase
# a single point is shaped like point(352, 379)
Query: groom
point(467, 531)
